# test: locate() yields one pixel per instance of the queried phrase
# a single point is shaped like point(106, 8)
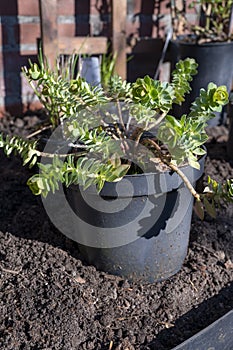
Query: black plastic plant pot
point(217, 336)
point(230, 135)
point(215, 64)
point(138, 227)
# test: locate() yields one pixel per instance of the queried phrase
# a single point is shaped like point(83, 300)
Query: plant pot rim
point(179, 40)
point(147, 184)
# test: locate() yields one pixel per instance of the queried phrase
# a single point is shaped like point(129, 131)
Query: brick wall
point(20, 30)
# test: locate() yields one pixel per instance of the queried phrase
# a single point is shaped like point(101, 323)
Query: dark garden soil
point(50, 299)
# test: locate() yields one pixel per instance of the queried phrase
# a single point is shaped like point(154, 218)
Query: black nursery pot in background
point(215, 64)
point(139, 227)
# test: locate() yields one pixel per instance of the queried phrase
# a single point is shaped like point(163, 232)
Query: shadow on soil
point(192, 322)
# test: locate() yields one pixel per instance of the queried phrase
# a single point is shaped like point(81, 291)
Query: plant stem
point(208, 13)
point(137, 135)
point(52, 155)
point(39, 131)
point(176, 169)
point(184, 178)
point(160, 118)
point(120, 115)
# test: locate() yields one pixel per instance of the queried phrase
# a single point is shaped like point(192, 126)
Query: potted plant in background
point(207, 39)
point(118, 170)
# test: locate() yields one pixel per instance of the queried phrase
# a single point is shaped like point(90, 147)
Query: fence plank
point(53, 45)
point(119, 16)
point(49, 30)
point(82, 45)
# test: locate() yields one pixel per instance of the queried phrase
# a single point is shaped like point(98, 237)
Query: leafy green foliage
point(106, 127)
point(108, 63)
point(84, 171)
point(98, 140)
point(209, 101)
point(216, 19)
point(181, 77)
point(146, 118)
point(218, 191)
point(26, 149)
point(60, 92)
point(153, 94)
point(213, 195)
point(117, 89)
point(185, 137)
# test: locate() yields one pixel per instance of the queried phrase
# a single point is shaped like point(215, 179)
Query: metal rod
point(168, 38)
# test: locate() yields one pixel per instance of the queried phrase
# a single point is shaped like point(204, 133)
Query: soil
point(50, 299)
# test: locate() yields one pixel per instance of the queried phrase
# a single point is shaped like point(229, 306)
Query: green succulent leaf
point(199, 209)
point(34, 72)
point(210, 207)
point(36, 185)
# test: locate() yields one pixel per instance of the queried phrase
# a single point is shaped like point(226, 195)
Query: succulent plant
point(120, 129)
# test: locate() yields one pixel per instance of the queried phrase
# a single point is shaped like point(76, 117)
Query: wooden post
point(49, 30)
point(52, 45)
point(119, 16)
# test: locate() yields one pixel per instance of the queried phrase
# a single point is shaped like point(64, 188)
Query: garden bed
point(50, 299)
